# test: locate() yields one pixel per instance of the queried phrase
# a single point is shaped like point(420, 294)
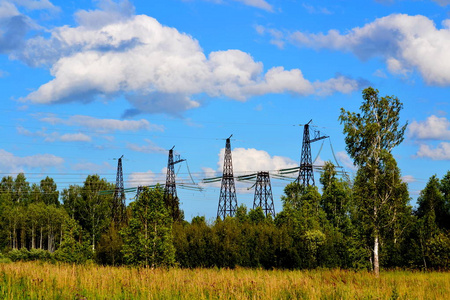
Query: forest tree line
point(313, 229)
point(364, 224)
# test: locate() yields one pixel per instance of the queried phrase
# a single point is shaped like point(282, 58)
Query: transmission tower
point(263, 194)
point(139, 190)
point(170, 191)
point(306, 173)
point(118, 205)
point(227, 199)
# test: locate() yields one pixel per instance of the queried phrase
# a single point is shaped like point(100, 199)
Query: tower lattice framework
point(118, 209)
point(263, 194)
point(170, 190)
point(306, 173)
point(227, 198)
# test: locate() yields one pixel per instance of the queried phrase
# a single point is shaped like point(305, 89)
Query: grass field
point(35, 280)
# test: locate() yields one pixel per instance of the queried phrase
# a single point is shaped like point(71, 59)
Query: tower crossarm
point(319, 138)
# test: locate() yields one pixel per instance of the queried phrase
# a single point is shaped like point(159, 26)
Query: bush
point(19, 255)
point(27, 255)
point(39, 254)
point(4, 259)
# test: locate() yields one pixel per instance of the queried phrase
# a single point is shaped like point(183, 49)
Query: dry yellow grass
point(34, 280)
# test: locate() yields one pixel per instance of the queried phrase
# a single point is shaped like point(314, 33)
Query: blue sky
point(84, 82)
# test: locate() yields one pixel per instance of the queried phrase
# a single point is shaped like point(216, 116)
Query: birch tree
point(371, 135)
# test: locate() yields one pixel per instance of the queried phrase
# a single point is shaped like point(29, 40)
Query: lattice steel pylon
point(306, 173)
point(118, 204)
point(263, 194)
point(170, 190)
point(227, 199)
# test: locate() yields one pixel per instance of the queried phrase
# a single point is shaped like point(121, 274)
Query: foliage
point(331, 229)
point(73, 248)
point(370, 138)
point(148, 237)
point(29, 255)
point(109, 249)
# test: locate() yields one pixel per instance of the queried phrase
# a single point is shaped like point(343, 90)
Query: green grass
point(35, 280)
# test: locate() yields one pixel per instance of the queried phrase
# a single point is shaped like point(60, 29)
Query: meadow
point(39, 280)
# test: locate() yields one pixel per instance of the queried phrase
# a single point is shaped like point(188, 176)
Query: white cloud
point(442, 2)
point(13, 27)
point(262, 4)
point(408, 178)
point(7, 10)
point(150, 147)
point(16, 164)
point(316, 10)
point(103, 125)
point(109, 12)
point(405, 43)
point(157, 68)
point(441, 152)
point(346, 161)
point(379, 73)
point(37, 5)
point(258, 4)
point(252, 160)
point(146, 178)
point(433, 128)
point(75, 137)
point(55, 136)
point(339, 84)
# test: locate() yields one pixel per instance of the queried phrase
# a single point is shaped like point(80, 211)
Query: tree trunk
point(33, 237)
point(376, 262)
point(41, 238)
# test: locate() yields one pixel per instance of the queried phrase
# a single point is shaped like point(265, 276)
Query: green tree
point(148, 237)
point(445, 189)
point(21, 189)
point(73, 248)
point(49, 191)
point(370, 137)
point(90, 209)
point(72, 201)
point(36, 220)
point(336, 197)
point(109, 249)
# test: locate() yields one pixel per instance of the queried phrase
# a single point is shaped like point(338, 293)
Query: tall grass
point(35, 280)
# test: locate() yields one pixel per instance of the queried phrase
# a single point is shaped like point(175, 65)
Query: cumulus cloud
point(406, 43)
point(252, 160)
point(441, 152)
point(158, 69)
point(16, 164)
point(109, 12)
point(13, 27)
point(433, 128)
point(103, 125)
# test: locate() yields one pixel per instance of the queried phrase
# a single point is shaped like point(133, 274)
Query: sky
point(85, 82)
